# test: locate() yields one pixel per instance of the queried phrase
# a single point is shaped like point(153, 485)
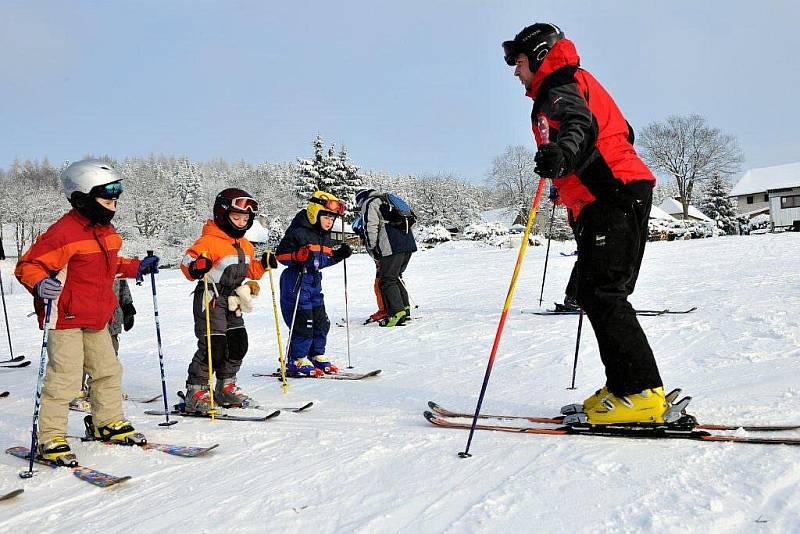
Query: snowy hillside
point(363, 458)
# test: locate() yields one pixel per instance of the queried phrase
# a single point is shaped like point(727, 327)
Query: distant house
point(342, 231)
point(257, 234)
point(661, 215)
point(674, 208)
point(507, 216)
point(774, 191)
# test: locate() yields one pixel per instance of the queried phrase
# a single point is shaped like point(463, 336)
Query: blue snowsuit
point(311, 323)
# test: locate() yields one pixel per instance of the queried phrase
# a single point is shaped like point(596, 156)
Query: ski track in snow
point(363, 459)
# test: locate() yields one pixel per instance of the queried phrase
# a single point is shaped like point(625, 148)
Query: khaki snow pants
point(70, 353)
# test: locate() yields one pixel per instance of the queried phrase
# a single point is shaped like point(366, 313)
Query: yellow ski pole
point(212, 411)
point(281, 357)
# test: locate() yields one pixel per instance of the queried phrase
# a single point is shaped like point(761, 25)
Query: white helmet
point(83, 175)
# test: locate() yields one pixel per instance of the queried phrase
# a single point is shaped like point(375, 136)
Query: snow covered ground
point(363, 458)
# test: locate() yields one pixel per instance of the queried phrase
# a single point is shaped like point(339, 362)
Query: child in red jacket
point(73, 265)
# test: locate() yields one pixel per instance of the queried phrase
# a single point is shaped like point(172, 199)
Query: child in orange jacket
point(73, 265)
point(227, 257)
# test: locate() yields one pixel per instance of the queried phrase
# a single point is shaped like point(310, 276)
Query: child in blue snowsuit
point(306, 249)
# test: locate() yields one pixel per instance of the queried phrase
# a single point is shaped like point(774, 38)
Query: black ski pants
point(227, 352)
point(611, 234)
point(390, 271)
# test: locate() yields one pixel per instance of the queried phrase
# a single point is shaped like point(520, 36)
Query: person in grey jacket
point(122, 319)
point(391, 246)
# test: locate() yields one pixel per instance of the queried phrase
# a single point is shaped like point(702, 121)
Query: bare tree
point(513, 179)
point(690, 150)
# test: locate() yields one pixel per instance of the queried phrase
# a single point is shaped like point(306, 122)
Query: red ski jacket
point(585, 121)
point(86, 261)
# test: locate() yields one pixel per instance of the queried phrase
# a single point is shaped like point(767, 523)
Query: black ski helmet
point(535, 41)
point(234, 200)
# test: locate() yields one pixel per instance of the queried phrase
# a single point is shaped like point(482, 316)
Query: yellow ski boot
point(595, 399)
point(57, 450)
point(648, 406)
point(121, 431)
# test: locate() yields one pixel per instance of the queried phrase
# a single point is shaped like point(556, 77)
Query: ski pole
point(166, 422)
point(523, 247)
point(296, 305)
point(8, 330)
point(346, 314)
point(577, 348)
point(407, 293)
point(39, 384)
point(541, 123)
point(212, 411)
point(547, 254)
point(281, 356)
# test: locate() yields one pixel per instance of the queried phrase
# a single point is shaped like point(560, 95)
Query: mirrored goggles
point(244, 204)
point(332, 205)
point(510, 53)
point(110, 191)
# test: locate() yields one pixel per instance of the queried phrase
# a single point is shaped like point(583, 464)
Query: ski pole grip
point(149, 252)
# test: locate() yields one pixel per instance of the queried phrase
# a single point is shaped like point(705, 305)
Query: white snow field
point(363, 459)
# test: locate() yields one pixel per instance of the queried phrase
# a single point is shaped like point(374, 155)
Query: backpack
point(358, 227)
point(396, 212)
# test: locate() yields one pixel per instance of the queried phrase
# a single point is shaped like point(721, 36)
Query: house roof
point(673, 207)
point(501, 215)
point(764, 179)
point(257, 233)
point(658, 213)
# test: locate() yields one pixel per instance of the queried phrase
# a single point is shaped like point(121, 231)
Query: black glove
point(343, 252)
point(269, 261)
point(552, 161)
point(128, 311)
point(199, 267)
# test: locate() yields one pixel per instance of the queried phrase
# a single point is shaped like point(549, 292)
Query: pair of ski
point(15, 362)
point(684, 428)
point(105, 480)
point(643, 313)
point(336, 376)
point(270, 412)
point(85, 406)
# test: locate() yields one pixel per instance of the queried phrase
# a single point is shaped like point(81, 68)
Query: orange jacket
point(229, 268)
point(85, 259)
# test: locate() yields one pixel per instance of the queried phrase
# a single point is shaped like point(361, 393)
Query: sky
point(417, 86)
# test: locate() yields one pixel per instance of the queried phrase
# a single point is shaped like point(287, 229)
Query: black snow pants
point(611, 234)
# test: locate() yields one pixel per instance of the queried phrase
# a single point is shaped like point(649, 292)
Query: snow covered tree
point(346, 182)
point(308, 177)
point(513, 180)
point(691, 151)
point(717, 205)
point(189, 189)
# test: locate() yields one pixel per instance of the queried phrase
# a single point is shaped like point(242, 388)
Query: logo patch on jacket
point(600, 240)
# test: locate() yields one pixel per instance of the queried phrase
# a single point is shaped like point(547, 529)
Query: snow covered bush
point(433, 234)
point(759, 224)
point(484, 231)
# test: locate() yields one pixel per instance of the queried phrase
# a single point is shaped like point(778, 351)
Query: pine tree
point(308, 177)
point(188, 183)
point(718, 206)
point(346, 182)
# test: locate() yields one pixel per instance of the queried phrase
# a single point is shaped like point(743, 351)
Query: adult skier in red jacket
point(607, 190)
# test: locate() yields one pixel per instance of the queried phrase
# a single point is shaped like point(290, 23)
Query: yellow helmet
point(322, 202)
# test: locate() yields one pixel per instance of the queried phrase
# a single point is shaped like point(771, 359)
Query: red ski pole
point(544, 131)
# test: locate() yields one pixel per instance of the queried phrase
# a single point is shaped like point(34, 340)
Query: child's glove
point(199, 267)
point(269, 261)
point(147, 265)
point(301, 255)
point(553, 194)
point(48, 288)
point(128, 311)
point(343, 252)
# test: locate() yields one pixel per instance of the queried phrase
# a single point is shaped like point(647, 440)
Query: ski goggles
point(110, 191)
point(510, 52)
point(244, 204)
point(331, 204)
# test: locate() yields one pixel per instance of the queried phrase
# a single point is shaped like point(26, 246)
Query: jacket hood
point(563, 54)
point(210, 228)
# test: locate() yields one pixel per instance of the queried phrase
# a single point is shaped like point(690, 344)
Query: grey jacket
point(382, 239)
